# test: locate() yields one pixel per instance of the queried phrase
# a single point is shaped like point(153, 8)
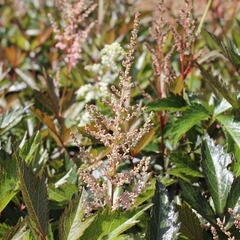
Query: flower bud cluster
point(73, 32)
point(105, 181)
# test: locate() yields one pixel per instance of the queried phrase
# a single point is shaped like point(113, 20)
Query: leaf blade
point(189, 119)
point(34, 193)
point(71, 225)
point(219, 179)
point(163, 223)
point(174, 103)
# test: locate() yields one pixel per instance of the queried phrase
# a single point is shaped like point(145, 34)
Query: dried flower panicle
point(223, 229)
point(214, 233)
point(182, 30)
point(161, 59)
point(107, 185)
point(73, 33)
point(236, 218)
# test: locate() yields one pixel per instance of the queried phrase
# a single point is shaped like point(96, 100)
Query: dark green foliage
point(193, 145)
point(164, 218)
point(190, 118)
point(190, 224)
point(109, 225)
point(8, 179)
point(193, 196)
point(174, 103)
point(228, 49)
point(34, 193)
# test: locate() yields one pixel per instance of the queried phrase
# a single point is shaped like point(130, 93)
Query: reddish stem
point(182, 59)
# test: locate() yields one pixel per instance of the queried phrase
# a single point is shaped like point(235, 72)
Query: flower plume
point(72, 34)
point(110, 186)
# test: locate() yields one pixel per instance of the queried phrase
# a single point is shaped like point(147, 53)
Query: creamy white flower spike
point(106, 71)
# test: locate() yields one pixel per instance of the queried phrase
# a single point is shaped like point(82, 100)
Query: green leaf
point(110, 224)
point(190, 118)
point(19, 231)
point(231, 126)
point(234, 194)
point(197, 201)
point(233, 202)
point(190, 224)
point(184, 165)
point(33, 152)
point(233, 148)
point(164, 219)
point(228, 49)
point(4, 228)
point(34, 193)
point(50, 235)
point(62, 193)
point(179, 173)
point(223, 106)
point(27, 78)
point(174, 103)
point(219, 88)
point(10, 119)
point(30, 148)
point(70, 177)
point(8, 179)
point(219, 179)
point(6, 197)
point(72, 225)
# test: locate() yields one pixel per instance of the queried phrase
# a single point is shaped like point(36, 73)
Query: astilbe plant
point(110, 186)
point(183, 34)
point(172, 35)
point(73, 32)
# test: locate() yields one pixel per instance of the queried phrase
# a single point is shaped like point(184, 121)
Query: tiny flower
point(70, 36)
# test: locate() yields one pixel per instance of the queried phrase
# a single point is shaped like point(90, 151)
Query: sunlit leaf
point(223, 106)
point(26, 77)
point(18, 232)
point(228, 49)
point(109, 225)
point(30, 148)
point(62, 193)
point(164, 218)
point(219, 179)
point(232, 127)
point(72, 224)
point(10, 119)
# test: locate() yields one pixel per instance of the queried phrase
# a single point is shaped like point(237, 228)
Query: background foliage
point(187, 76)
